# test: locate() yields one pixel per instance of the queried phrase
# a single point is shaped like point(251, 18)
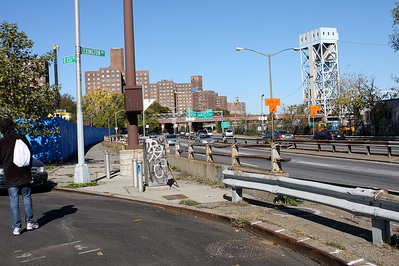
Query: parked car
point(329, 134)
point(202, 131)
point(204, 139)
point(280, 134)
point(171, 139)
point(227, 134)
point(210, 133)
point(182, 133)
point(38, 172)
point(152, 135)
point(188, 133)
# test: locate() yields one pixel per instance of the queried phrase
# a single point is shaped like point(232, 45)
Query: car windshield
point(281, 132)
point(205, 137)
point(171, 136)
point(335, 132)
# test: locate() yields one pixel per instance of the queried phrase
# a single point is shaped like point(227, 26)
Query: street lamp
point(116, 121)
point(270, 75)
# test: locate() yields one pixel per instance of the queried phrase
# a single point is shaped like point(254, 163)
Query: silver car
point(38, 173)
point(204, 139)
point(171, 139)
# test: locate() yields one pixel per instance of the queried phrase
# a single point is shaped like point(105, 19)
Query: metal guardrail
point(274, 157)
point(378, 205)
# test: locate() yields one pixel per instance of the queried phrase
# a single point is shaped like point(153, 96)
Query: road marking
point(84, 252)
point(38, 258)
point(336, 251)
point(354, 261)
point(66, 244)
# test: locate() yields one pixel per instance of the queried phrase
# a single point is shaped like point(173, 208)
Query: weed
point(175, 168)
point(336, 245)
point(189, 202)
point(77, 185)
point(70, 175)
point(50, 167)
point(239, 222)
point(287, 200)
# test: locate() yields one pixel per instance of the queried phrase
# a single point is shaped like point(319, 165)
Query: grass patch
point(174, 168)
point(189, 202)
point(336, 245)
point(78, 185)
point(287, 200)
point(214, 184)
point(240, 222)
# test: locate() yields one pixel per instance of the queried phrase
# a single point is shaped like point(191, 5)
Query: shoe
point(31, 226)
point(16, 231)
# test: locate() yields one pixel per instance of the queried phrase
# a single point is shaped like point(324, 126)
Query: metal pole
point(135, 180)
point(261, 115)
point(140, 176)
point(81, 170)
point(107, 166)
point(116, 125)
point(142, 87)
point(271, 95)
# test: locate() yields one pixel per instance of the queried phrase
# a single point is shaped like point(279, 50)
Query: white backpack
point(21, 154)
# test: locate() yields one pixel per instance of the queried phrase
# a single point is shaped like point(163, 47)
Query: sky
point(177, 39)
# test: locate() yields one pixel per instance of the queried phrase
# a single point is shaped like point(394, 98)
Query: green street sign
point(91, 51)
point(69, 59)
point(225, 124)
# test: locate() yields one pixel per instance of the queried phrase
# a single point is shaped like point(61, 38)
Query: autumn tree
point(99, 108)
point(358, 95)
point(68, 103)
point(394, 38)
point(25, 94)
point(150, 117)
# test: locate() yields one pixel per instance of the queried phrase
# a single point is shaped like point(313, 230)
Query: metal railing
point(235, 156)
point(376, 204)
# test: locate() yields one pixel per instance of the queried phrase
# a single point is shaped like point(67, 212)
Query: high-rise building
point(236, 107)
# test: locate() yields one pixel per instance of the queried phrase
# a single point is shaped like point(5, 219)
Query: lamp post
point(261, 112)
point(116, 121)
point(270, 74)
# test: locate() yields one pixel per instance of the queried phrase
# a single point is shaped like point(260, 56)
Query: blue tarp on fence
point(64, 143)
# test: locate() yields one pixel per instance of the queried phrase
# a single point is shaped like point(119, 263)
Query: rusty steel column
point(133, 93)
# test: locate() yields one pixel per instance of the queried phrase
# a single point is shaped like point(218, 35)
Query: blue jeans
point(13, 192)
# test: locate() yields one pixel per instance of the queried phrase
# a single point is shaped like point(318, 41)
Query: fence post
point(177, 148)
point(274, 158)
point(167, 147)
point(236, 195)
point(135, 178)
point(107, 166)
point(381, 232)
point(190, 151)
point(235, 161)
point(208, 150)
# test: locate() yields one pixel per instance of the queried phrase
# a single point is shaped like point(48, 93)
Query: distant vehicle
point(280, 134)
point(202, 131)
point(153, 135)
point(188, 133)
point(228, 133)
point(204, 139)
point(38, 173)
point(330, 135)
point(182, 133)
point(210, 133)
point(171, 139)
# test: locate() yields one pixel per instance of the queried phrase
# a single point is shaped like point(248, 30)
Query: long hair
point(7, 126)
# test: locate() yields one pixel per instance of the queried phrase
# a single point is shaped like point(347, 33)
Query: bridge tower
point(320, 68)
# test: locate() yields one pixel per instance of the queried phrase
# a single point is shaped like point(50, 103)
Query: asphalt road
point(360, 173)
point(87, 230)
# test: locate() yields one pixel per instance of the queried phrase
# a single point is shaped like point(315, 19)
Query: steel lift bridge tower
point(320, 68)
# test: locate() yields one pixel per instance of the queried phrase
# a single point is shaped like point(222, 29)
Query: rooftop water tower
point(320, 68)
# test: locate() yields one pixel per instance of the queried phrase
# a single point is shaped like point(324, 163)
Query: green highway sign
point(69, 59)
point(206, 114)
point(91, 51)
point(191, 113)
point(225, 124)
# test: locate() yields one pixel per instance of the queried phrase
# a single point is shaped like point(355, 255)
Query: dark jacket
point(14, 176)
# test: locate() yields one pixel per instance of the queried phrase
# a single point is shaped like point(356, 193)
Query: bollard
point(140, 176)
point(134, 172)
point(107, 168)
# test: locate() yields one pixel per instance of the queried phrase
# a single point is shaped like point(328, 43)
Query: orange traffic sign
point(272, 109)
point(313, 112)
point(272, 102)
point(315, 107)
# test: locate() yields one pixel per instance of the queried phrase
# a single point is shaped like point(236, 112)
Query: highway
point(348, 172)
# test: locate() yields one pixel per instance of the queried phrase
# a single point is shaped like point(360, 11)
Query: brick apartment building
point(178, 97)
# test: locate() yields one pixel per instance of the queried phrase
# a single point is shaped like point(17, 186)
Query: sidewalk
point(308, 226)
